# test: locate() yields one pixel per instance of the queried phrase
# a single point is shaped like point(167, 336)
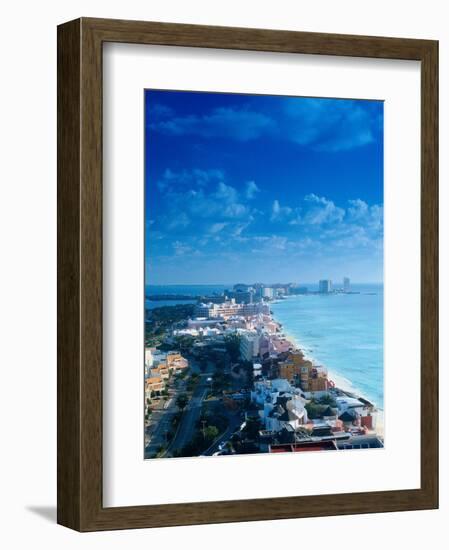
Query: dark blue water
point(185, 290)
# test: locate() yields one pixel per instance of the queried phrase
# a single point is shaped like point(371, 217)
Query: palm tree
point(181, 401)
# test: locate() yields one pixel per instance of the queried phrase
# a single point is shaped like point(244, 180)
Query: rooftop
point(303, 447)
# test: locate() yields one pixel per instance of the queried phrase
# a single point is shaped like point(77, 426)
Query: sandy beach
point(340, 382)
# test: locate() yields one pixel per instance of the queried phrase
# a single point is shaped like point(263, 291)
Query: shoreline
point(341, 383)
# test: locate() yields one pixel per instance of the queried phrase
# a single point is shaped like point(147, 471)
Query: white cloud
point(224, 122)
point(172, 180)
point(216, 227)
point(370, 217)
point(226, 193)
point(317, 123)
point(358, 209)
point(180, 248)
point(321, 211)
point(158, 111)
point(330, 124)
point(179, 222)
point(251, 189)
point(278, 212)
point(270, 244)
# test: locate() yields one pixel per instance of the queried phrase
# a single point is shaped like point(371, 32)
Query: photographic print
point(263, 274)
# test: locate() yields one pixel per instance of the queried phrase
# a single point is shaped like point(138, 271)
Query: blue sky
point(245, 188)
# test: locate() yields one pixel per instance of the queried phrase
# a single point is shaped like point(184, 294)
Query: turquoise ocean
point(343, 332)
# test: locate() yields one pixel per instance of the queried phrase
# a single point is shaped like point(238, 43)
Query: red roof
point(303, 447)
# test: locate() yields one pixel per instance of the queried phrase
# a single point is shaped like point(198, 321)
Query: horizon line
point(259, 282)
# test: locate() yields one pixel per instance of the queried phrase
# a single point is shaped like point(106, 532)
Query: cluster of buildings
point(243, 293)
point(299, 370)
point(325, 286)
point(298, 406)
point(230, 308)
point(285, 381)
point(283, 392)
point(281, 405)
point(249, 294)
point(159, 367)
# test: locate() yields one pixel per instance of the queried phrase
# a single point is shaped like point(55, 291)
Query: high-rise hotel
point(325, 286)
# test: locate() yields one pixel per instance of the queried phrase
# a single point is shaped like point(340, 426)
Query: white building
point(149, 360)
point(257, 370)
point(249, 345)
point(203, 322)
point(280, 403)
point(286, 410)
point(229, 309)
point(267, 292)
point(351, 404)
point(149, 357)
point(346, 284)
point(265, 390)
point(206, 331)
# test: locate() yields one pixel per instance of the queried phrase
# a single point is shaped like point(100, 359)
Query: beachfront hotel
point(268, 382)
point(230, 308)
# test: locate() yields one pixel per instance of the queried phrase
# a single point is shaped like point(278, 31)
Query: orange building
point(154, 383)
point(161, 371)
point(176, 361)
point(314, 378)
point(309, 376)
point(295, 367)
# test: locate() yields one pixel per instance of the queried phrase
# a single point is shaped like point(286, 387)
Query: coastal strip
point(238, 384)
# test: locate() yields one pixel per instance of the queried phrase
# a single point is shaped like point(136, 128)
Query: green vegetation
point(217, 359)
point(181, 375)
point(252, 428)
point(232, 343)
point(184, 343)
point(201, 441)
point(211, 424)
point(210, 433)
point(327, 399)
point(220, 382)
point(160, 319)
point(167, 297)
point(202, 363)
point(247, 367)
point(316, 407)
point(181, 401)
point(246, 441)
point(160, 451)
point(212, 415)
point(192, 382)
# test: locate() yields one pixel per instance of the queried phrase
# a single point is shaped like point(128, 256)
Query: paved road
point(158, 438)
point(161, 422)
point(189, 418)
point(234, 422)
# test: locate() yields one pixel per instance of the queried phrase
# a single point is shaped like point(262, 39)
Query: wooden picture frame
point(80, 504)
